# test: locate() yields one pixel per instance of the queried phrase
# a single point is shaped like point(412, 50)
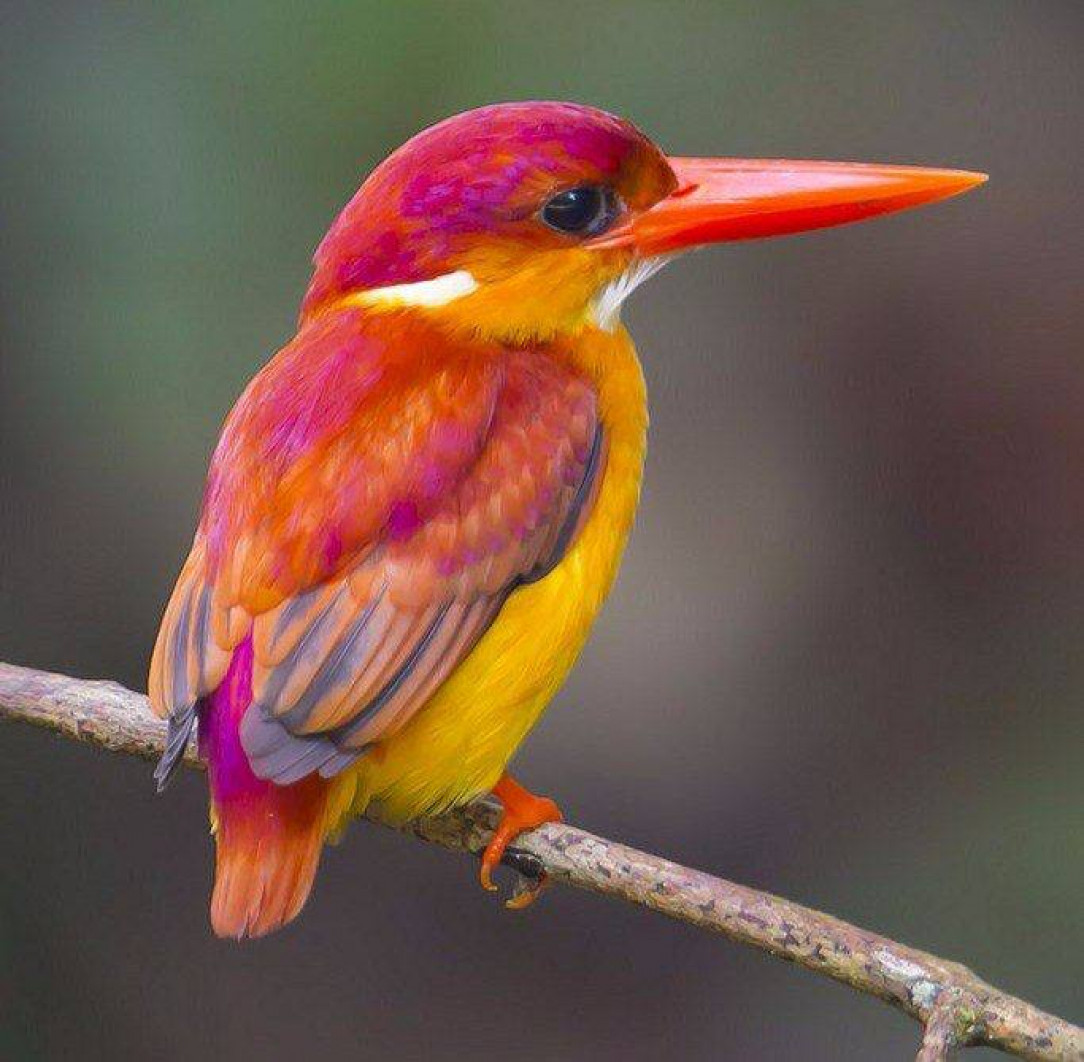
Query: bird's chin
point(605, 307)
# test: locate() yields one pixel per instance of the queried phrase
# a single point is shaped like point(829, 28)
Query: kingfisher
point(418, 506)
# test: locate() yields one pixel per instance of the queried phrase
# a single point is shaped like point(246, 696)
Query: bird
point(419, 504)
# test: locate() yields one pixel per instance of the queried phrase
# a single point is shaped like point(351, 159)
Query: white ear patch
point(605, 308)
point(436, 292)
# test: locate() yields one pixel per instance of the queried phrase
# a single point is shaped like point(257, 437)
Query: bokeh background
point(845, 658)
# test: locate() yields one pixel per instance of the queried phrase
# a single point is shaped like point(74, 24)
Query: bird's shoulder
point(368, 522)
point(371, 430)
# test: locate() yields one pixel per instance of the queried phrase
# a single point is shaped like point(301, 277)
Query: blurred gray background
point(845, 658)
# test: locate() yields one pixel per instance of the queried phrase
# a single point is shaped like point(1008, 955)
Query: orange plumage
point(417, 508)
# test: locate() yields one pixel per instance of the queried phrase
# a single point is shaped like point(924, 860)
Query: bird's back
point(403, 545)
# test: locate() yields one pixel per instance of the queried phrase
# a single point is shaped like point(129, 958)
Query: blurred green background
point(845, 659)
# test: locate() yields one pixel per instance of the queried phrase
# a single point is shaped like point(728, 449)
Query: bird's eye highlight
point(586, 210)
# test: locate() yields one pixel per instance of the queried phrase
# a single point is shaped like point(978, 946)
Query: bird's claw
point(529, 885)
point(531, 876)
point(522, 811)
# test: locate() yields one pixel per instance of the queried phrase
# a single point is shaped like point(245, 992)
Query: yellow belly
point(458, 745)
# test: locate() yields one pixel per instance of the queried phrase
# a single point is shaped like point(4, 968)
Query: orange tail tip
point(263, 876)
point(268, 837)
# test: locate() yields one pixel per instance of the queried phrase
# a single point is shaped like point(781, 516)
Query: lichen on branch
point(955, 1007)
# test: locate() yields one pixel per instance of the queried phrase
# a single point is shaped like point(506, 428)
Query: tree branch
point(941, 1033)
point(955, 1007)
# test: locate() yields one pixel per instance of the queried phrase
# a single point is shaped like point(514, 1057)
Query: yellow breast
point(457, 747)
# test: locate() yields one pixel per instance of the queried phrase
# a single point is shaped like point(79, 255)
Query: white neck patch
point(605, 308)
point(436, 292)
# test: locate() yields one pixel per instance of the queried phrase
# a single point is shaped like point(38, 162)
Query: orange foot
point(522, 811)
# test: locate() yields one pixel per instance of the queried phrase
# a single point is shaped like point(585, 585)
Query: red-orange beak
point(744, 199)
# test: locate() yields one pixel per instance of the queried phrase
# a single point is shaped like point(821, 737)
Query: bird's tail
point(266, 859)
point(268, 838)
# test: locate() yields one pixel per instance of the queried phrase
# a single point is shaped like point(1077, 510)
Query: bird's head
point(522, 220)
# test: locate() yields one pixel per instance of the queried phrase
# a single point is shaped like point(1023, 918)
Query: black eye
point(585, 210)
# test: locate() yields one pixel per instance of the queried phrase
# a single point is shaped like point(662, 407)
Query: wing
point(373, 502)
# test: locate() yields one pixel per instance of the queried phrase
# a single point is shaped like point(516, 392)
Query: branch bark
point(955, 1007)
point(942, 1029)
